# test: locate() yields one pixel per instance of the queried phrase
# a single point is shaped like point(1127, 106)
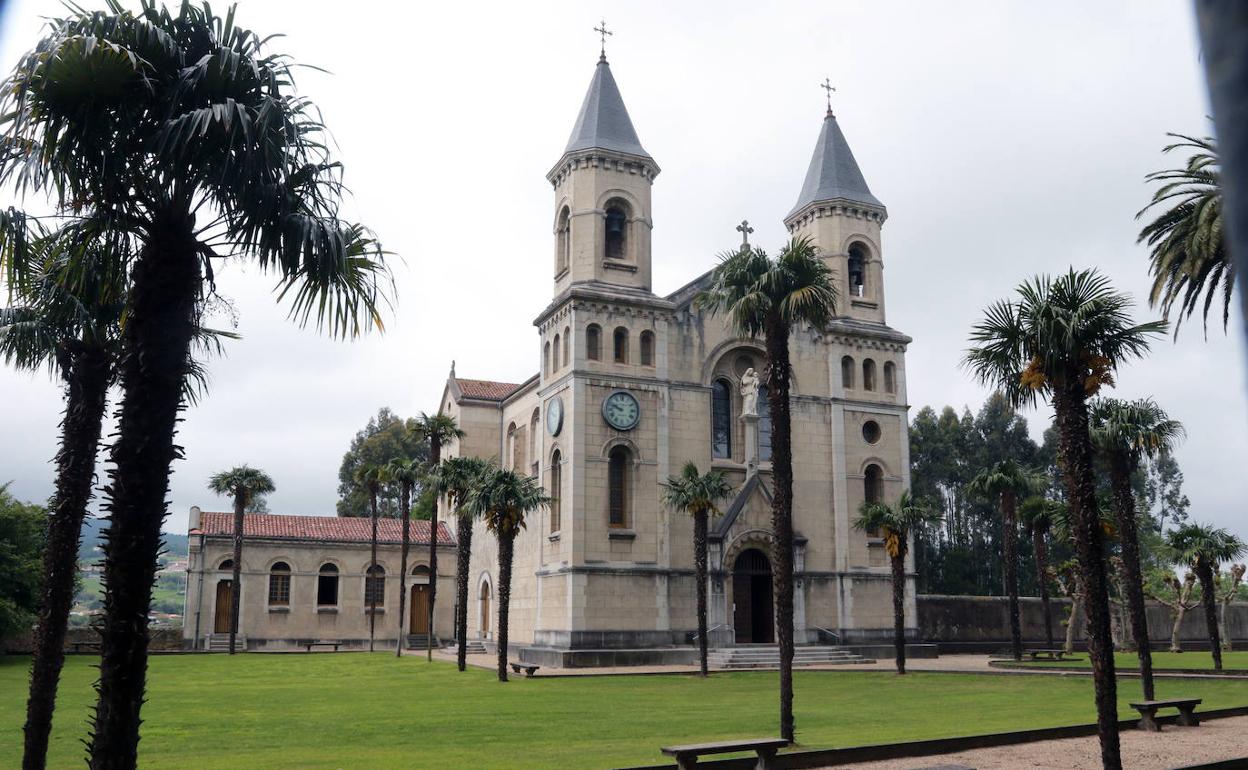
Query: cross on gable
point(828, 88)
point(602, 31)
point(745, 230)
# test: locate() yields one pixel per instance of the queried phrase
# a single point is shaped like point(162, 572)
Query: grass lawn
point(1195, 659)
point(372, 711)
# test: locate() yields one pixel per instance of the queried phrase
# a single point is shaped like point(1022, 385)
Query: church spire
point(833, 173)
point(603, 122)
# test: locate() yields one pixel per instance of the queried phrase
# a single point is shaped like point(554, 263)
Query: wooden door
point(420, 610)
point(221, 616)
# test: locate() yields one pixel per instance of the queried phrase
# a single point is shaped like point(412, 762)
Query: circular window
point(744, 361)
point(871, 431)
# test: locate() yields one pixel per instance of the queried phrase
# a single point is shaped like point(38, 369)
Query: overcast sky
point(1006, 139)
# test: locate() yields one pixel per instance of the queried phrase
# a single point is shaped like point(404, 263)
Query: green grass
point(1193, 660)
point(373, 711)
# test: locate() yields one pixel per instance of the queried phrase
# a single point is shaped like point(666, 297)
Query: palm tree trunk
point(1040, 550)
point(405, 510)
point(1009, 524)
point(435, 457)
point(1129, 546)
point(506, 542)
point(898, 563)
point(1070, 406)
point(372, 566)
point(236, 586)
point(1204, 573)
point(699, 570)
point(777, 341)
point(164, 294)
point(85, 398)
point(463, 557)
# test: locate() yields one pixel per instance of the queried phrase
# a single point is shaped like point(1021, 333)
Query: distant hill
point(89, 550)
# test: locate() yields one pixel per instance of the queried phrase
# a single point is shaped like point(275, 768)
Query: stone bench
point(309, 645)
point(80, 646)
point(765, 748)
point(1045, 654)
point(1148, 712)
point(524, 668)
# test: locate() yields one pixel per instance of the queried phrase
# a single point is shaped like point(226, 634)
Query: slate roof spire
point(833, 173)
point(603, 122)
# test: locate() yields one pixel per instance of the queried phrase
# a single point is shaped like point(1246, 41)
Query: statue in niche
point(749, 393)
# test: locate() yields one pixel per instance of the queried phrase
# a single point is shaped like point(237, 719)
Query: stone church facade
point(633, 384)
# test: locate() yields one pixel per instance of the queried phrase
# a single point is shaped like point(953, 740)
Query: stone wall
point(968, 622)
point(161, 640)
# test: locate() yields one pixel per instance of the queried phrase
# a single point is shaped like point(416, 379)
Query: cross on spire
point(602, 31)
point(745, 230)
point(827, 86)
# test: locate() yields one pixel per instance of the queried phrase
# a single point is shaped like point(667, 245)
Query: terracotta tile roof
point(331, 528)
point(487, 390)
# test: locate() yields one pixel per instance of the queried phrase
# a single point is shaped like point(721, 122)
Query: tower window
point(873, 484)
point(621, 345)
point(556, 491)
point(546, 358)
point(567, 334)
point(554, 355)
point(617, 230)
point(847, 372)
point(563, 240)
point(890, 377)
point(617, 486)
point(857, 270)
point(721, 419)
point(764, 425)
point(868, 375)
point(593, 342)
point(647, 348)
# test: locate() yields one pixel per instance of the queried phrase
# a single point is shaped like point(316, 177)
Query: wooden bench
point(1148, 712)
point(528, 670)
point(309, 645)
point(92, 646)
point(1048, 654)
point(765, 748)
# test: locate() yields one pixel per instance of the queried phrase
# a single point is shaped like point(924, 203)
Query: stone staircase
point(475, 647)
point(419, 642)
point(221, 643)
point(768, 656)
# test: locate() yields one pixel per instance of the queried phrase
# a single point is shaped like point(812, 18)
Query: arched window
point(617, 230)
point(618, 462)
point(721, 419)
point(556, 491)
point(563, 240)
point(226, 564)
point(847, 372)
point(375, 586)
point(510, 447)
point(857, 270)
point(868, 375)
point(279, 584)
point(534, 433)
point(647, 348)
point(327, 586)
point(890, 377)
point(567, 340)
point(621, 345)
point(546, 359)
point(873, 484)
point(554, 354)
point(593, 342)
point(764, 424)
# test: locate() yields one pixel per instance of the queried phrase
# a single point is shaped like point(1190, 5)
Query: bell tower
point(837, 211)
point(602, 217)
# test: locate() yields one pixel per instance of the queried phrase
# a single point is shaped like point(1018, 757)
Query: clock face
point(621, 410)
point(554, 416)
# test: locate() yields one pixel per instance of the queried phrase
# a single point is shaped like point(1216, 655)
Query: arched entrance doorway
point(418, 620)
point(485, 609)
point(221, 614)
point(752, 616)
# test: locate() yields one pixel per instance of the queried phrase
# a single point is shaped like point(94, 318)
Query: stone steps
point(221, 643)
point(755, 657)
point(475, 647)
point(419, 642)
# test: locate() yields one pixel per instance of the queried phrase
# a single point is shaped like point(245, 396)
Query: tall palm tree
point(184, 134)
point(1004, 482)
point(244, 484)
point(1037, 515)
point(1124, 432)
point(407, 473)
point(1188, 247)
point(437, 430)
point(369, 477)
point(897, 523)
point(765, 297)
point(1062, 339)
point(699, 495)
point(503, 498)
point(455, 478)
point(1202, 548)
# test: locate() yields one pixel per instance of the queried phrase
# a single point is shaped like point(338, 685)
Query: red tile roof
point(330, 528)
point(486, 390)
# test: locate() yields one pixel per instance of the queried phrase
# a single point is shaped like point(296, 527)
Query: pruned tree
point(1179, 599)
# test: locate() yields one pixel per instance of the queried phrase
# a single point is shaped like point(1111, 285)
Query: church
point(630, 385)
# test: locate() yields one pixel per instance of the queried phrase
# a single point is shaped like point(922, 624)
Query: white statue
point(749, 393)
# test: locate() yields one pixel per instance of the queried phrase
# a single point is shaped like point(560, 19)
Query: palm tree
point(1004, 482)
point(763, 297)
point(406, 472)
point(369, 477)
point(455, 478)
point(897, 523)
point(437, 429)
point(1062, 339)
point(503, 498)
point(184, 135)
point(1202, 548)
point(1188, 248)
point(1124, 432)
point(698, 494)
point(1037, 516)
point(244, 484)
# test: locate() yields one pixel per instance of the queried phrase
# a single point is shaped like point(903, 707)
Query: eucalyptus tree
point(369, 478)
point(502, 499)
point(897, 523)
point(768, 298)
point(1202, 548)
point(1005, 481)
point(698, 494)
point(184, 135)
point(436, 430)
point(407, 473)
point(1037, 514)
point(245, 485)
point(1125, 432)
point(1062, 339)
point(456, 477)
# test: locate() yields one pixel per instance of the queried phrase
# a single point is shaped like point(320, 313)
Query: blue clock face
point(621, 410)
point(554, 416)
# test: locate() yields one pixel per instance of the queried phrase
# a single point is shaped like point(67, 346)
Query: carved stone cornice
point(606, 160)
